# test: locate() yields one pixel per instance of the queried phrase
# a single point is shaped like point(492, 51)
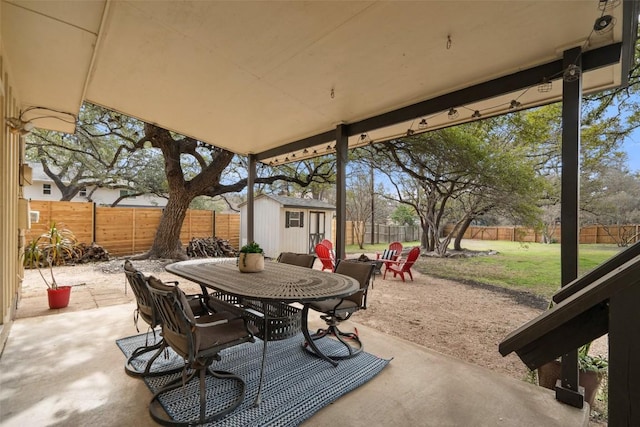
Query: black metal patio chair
point(301, 260)
point(199, 341)
point(340, 309)
point(145, 310)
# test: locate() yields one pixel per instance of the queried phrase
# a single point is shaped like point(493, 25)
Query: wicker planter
point(549, 373)
point(250, 262)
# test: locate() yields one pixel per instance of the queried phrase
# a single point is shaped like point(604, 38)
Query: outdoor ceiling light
point(453, 114)
point(476, 114)
point(18, 126)
point(514, 104)
point(410, 132)
point(423, 123)
point(545, 86)
point(604, 24)
point(572, 73)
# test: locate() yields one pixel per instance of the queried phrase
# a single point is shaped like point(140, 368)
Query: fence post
point(93, 222)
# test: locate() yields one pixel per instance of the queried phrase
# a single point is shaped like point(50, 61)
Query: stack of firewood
point(210, 247)
point(90, 253)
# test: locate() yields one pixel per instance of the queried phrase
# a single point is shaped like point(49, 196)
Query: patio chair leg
point(131, 370)
point(333, 330)
point(160, 415)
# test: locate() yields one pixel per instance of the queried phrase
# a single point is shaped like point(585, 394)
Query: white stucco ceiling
point(252, 76)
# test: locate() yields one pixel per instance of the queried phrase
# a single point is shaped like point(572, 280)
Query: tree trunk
point(463, 228)
point(166, 243)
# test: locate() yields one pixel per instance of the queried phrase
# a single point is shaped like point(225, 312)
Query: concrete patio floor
point(65, 370)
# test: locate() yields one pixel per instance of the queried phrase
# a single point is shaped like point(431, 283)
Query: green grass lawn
point(533, 267)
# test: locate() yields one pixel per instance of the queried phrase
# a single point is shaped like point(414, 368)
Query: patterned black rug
point(296, 384)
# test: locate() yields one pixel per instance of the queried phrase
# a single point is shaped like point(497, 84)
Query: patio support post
point(342, 145)
point(251, 177)
point(567, 389)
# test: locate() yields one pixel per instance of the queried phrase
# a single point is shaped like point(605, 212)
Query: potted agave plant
point(52, 248)
point(251, 259)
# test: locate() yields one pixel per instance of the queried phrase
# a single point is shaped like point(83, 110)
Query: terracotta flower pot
point(59, 298)
point(250, 262)
point(549, 373)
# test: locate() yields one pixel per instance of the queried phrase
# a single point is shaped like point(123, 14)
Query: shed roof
point(296, 202)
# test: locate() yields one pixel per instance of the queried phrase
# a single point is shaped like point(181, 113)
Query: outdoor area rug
point(296, 384)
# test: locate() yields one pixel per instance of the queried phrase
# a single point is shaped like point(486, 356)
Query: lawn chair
point(325, 257)
point(401, 267)
point(329, 246)
point(199, 341)
point(391, 254)
point(145, 310)
point(301, 260)
point(337, 310)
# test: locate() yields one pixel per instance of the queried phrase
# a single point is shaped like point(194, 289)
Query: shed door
point(316, 229)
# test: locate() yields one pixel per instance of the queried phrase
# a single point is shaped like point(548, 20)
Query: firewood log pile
point(210, 247)
point(90, 253)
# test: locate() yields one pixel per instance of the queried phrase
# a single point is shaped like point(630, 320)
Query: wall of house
point(267, 231)
point(11, 238)
point(295, 239)
point(101, 196)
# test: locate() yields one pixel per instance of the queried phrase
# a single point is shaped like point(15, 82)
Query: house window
point(126, 193)
point(83, 192)
point(46, 188)
point(294, 219)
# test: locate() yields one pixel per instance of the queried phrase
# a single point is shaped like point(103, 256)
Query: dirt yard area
point(465, 321)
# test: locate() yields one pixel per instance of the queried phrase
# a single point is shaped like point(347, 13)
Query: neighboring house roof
point(296, 202)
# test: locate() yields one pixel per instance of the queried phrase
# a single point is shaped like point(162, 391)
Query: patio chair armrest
point(208, 324)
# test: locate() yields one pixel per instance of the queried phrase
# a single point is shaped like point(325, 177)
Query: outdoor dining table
point(277, 283)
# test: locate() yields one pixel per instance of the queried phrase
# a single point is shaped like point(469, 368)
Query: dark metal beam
point(591, 60)
point(300, 144)
point(624, 369)
point(568, 391)
point(251, 178)
point(342, 147)
point(631, 10)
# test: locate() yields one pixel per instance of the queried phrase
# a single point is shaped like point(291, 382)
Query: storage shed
point(288, 224)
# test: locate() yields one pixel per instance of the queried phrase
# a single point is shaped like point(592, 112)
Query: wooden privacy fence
point(588, 234)
point(127, 231)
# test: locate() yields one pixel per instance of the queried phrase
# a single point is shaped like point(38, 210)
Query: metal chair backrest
point(138, 283)
point(178, 321)
point(362, 272)
point(301, 260)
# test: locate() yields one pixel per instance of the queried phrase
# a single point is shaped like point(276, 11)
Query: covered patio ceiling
point(275, 78)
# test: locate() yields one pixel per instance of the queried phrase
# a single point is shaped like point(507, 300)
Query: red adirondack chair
point(403, 266)
point(329, 246)
point(324, 255)
point(388, 255)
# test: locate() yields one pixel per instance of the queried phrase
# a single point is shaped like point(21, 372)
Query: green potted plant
point(251, 258)
point(592, 370)
point(55, 247)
